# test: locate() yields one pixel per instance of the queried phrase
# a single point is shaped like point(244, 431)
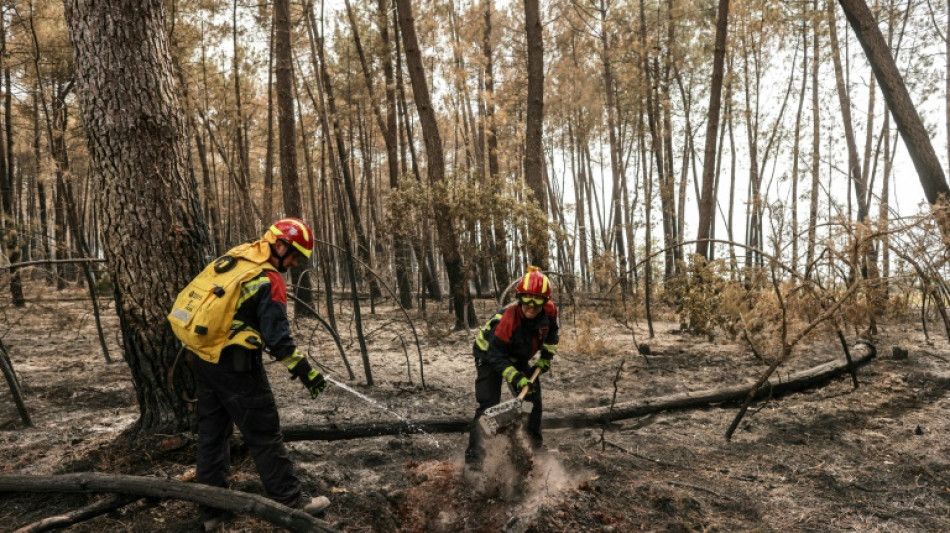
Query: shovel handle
point(526, 388)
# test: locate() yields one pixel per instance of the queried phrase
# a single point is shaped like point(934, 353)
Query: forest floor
point(835, 458)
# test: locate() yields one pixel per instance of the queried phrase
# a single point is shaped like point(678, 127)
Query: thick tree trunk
point(157, 235)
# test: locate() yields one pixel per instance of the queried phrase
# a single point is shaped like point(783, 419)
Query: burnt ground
point(873, 458)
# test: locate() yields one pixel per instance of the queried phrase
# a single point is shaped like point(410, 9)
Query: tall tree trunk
point(538, 249)
point(136, 138)
point(316, 45)
point(648, 223)
point(754, 210)
point(617, 200)
point(664, 103)
point(268, 210)
point(656, 143)
point(499, 233)
point(844, 101)
point(580, 221)
point(287, 140)
point(448, 240)
point(424, 256)
point(796, 144)
point(343, 153)
point(403, 250)
point(9, 234)
point(815, 147)
point(707, 202)
point(240, 127)
point(911, 127)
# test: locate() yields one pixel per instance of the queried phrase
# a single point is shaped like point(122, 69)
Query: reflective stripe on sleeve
point(291, 360)
point(482, 339)
point(250, 288)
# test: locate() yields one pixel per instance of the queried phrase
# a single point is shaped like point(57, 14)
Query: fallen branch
point(229, 500)
point(777, 386)
point(82, 514)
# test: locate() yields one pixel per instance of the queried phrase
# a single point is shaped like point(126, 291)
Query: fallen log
point(229, 500)
point(777, 386)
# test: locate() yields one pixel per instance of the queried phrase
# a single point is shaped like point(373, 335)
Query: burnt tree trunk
point(137, 142)
point(287, 139)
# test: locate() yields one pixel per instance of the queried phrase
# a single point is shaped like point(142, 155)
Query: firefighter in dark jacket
point(503, 350)
point(235, 389)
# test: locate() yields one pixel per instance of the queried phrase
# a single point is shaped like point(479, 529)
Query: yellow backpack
point(203, 312)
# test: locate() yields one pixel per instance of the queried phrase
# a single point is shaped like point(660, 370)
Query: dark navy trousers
point(232, 394)
point(488, 383)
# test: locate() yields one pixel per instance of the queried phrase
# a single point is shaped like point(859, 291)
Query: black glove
point(311, 378)
point(314, 382)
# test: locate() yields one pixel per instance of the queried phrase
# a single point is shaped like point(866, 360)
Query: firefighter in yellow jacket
point(232, 384)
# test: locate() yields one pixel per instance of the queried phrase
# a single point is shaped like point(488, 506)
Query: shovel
point(502, 415)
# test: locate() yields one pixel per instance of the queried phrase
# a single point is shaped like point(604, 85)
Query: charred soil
point(837, 458)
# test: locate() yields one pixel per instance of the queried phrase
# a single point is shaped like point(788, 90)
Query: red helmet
point(295, 232)
point(534, 282)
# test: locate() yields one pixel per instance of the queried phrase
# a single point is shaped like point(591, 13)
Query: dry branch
point(777, 386)
point(237, 502)
point(82, 514)
point(6, 365)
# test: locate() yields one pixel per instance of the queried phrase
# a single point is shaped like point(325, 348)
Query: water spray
point(379, 405)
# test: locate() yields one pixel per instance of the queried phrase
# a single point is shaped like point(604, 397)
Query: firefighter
point(235, 389)
point(503, 350)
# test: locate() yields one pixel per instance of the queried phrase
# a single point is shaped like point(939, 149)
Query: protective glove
point(543, 363)
point(314, 382)
point(311, 378)
point(517, 380)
